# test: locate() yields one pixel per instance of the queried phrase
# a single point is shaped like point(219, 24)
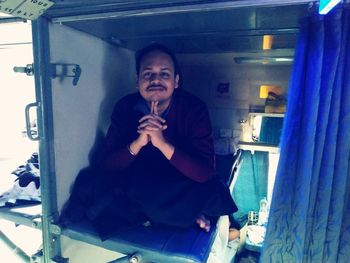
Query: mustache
point(155, 87)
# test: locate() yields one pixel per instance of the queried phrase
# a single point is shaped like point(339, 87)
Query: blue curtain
point(310, 210)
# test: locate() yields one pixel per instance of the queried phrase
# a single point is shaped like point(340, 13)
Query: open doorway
point(16, 92)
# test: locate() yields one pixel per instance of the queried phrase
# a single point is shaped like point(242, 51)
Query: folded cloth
point(26, 187)
point(31, 165)
point(19, 195)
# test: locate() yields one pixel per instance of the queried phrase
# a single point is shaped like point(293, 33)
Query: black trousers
point(112, 204)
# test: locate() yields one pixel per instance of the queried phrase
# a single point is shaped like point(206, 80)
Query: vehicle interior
point(236, 56)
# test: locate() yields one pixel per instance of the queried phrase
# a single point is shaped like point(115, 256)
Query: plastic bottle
point(263, 212)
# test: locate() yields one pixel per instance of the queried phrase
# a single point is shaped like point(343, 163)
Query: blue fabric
point(310, 210)
point(251, 184)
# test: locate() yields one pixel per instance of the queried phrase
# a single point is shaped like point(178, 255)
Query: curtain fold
point(310, 211)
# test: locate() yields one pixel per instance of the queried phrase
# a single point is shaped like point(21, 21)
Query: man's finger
point(152, 116)
point(151, 122)
point(155, 108)
point(152, 107)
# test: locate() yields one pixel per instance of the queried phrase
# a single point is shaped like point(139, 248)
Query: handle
point(27, 116)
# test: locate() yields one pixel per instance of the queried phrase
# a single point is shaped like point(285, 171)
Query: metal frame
point(17, 250)
point(16, 215)
point(4, 20)
point(20, 218)
point(137, 8)
point(43, 102)
point(41, 51)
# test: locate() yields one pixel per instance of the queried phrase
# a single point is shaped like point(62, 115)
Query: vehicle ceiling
point(186, 26)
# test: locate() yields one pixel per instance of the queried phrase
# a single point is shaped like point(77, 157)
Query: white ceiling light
point(264, 60)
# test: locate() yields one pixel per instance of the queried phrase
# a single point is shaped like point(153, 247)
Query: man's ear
point(177, 79)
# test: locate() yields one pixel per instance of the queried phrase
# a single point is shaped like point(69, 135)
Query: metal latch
point(66, 70)
point(29, 69)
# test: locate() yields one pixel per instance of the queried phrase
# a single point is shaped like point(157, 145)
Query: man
point(158, 158)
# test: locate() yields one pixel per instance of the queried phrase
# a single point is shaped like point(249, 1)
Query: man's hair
point(153, 47)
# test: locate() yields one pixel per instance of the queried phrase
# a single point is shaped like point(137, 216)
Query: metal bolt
point(135, 258)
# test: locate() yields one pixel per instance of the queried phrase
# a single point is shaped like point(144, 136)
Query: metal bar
point(233, 33)
point(15, 249)
point(132, 11)
point(20, 218)
point(51, 245)
point(264, 147)
point(120, 260)
point(9, 45)
point(4, 20)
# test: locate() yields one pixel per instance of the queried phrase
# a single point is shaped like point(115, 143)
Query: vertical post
point(41, 51)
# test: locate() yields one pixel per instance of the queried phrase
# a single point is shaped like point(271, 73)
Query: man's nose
point(155, 77)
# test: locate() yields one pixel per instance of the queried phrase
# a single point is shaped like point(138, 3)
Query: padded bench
point(158, 244)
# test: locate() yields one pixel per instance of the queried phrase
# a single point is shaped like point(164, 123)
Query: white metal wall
point(81, 113)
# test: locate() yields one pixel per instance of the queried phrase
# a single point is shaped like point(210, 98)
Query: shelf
point(267, 114)
point(262, 147)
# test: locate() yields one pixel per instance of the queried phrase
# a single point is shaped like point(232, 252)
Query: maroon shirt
point(189, 131)
point(124, 190)
point(172, 192)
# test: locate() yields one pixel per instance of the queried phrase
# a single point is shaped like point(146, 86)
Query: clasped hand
point(151, 127)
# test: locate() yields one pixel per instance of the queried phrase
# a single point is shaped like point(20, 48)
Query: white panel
point(82, 112)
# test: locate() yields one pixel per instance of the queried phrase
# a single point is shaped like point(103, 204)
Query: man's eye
point(146, 75)
point(164, 75)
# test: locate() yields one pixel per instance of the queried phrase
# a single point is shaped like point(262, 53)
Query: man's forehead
point(157, 57)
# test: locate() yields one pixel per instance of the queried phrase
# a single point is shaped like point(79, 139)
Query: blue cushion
point(154, 243)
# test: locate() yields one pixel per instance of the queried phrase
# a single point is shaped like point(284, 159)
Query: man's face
point(156, 79)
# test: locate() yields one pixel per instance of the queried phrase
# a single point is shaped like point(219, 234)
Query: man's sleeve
point(197, 161)
point(115, 155)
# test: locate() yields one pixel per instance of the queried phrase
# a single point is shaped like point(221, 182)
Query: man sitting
point(158, 162)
